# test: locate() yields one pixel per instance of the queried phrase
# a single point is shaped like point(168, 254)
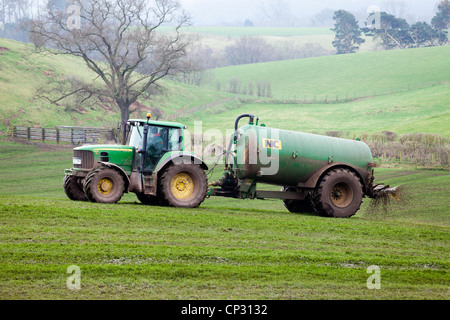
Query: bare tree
point(120, 42)
point(276, 13)
point(324, 18)
point(249, 49)
point(194, 66)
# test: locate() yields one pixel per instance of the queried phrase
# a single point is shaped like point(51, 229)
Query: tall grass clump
point(422, 149)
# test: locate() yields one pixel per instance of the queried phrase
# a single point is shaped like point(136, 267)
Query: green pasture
point(225, 249)
point(352, 75)
point(425, 110)
point(401, 91)
point(23, 72)
point(259, 31)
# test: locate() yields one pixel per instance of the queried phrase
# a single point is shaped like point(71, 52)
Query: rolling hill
point(403, 91)
point(22, 72)
point(353, 75)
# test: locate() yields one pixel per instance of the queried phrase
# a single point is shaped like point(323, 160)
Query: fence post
point(43, 134)
point(57, 135)
point(28, 134)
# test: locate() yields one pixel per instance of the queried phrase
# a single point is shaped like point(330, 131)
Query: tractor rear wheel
point(298, 206)
point(339, 194)
point(104, 185)
point(183, 185)
point(73, 188)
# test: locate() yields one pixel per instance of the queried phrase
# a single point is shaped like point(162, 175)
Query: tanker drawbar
point(317, 174)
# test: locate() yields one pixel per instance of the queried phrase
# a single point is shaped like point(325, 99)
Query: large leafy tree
point(348, 34)
point(422, 34)
point(441, 21)
point(120, 42)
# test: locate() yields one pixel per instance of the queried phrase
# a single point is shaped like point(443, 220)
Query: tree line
point(259, 88)
point(391, 32)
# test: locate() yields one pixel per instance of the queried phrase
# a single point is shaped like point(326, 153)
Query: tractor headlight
point(77, 161)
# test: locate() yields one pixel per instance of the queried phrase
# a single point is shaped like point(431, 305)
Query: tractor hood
point(119, 155)
point(97, 148)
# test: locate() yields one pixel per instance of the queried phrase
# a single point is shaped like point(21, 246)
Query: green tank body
point(291, 158)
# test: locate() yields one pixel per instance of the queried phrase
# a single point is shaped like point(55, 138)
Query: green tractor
point(153, 164)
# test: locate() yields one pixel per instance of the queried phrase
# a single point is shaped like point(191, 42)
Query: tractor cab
point(153, 139)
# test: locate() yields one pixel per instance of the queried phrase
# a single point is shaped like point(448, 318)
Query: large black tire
point(298, 206)
point(73, 188)
point(148, 200)
point(104, 185)
point(183, 185)
point(339, 194)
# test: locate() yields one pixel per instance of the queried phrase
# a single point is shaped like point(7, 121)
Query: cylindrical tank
point(290, 158)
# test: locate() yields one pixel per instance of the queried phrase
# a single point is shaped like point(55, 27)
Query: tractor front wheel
point(73, 188)
point(104, 185)
point(183, 185)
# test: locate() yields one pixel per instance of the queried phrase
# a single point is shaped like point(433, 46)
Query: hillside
point(359, 75)
point(403, 91)
point(22, 72)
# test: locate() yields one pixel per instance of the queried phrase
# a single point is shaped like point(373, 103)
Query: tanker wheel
point(104, 185)
point(147, 199)
point(73, 188)
point(183, 185)
point(339, 194)
point(298, 206)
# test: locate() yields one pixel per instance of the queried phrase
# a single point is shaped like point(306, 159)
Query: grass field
point(229, 248)
point(401, 91)
point(360, 75)
point(226, 249)
point(217, 38)
point(260, 31)
point(424, 110)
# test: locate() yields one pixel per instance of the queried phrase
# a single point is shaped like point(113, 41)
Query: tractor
point(153, 164)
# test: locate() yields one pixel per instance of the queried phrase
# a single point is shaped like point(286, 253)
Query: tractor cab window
point(159, 139)
point(156, 140)
point(163, 139)
point(135, 135)
point(175, 140)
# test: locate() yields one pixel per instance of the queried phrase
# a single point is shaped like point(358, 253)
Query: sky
point(218, 12)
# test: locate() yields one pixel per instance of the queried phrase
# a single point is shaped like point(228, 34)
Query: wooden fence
point(65, 135)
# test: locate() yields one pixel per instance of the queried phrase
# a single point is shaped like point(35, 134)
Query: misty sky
point(217, 12)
